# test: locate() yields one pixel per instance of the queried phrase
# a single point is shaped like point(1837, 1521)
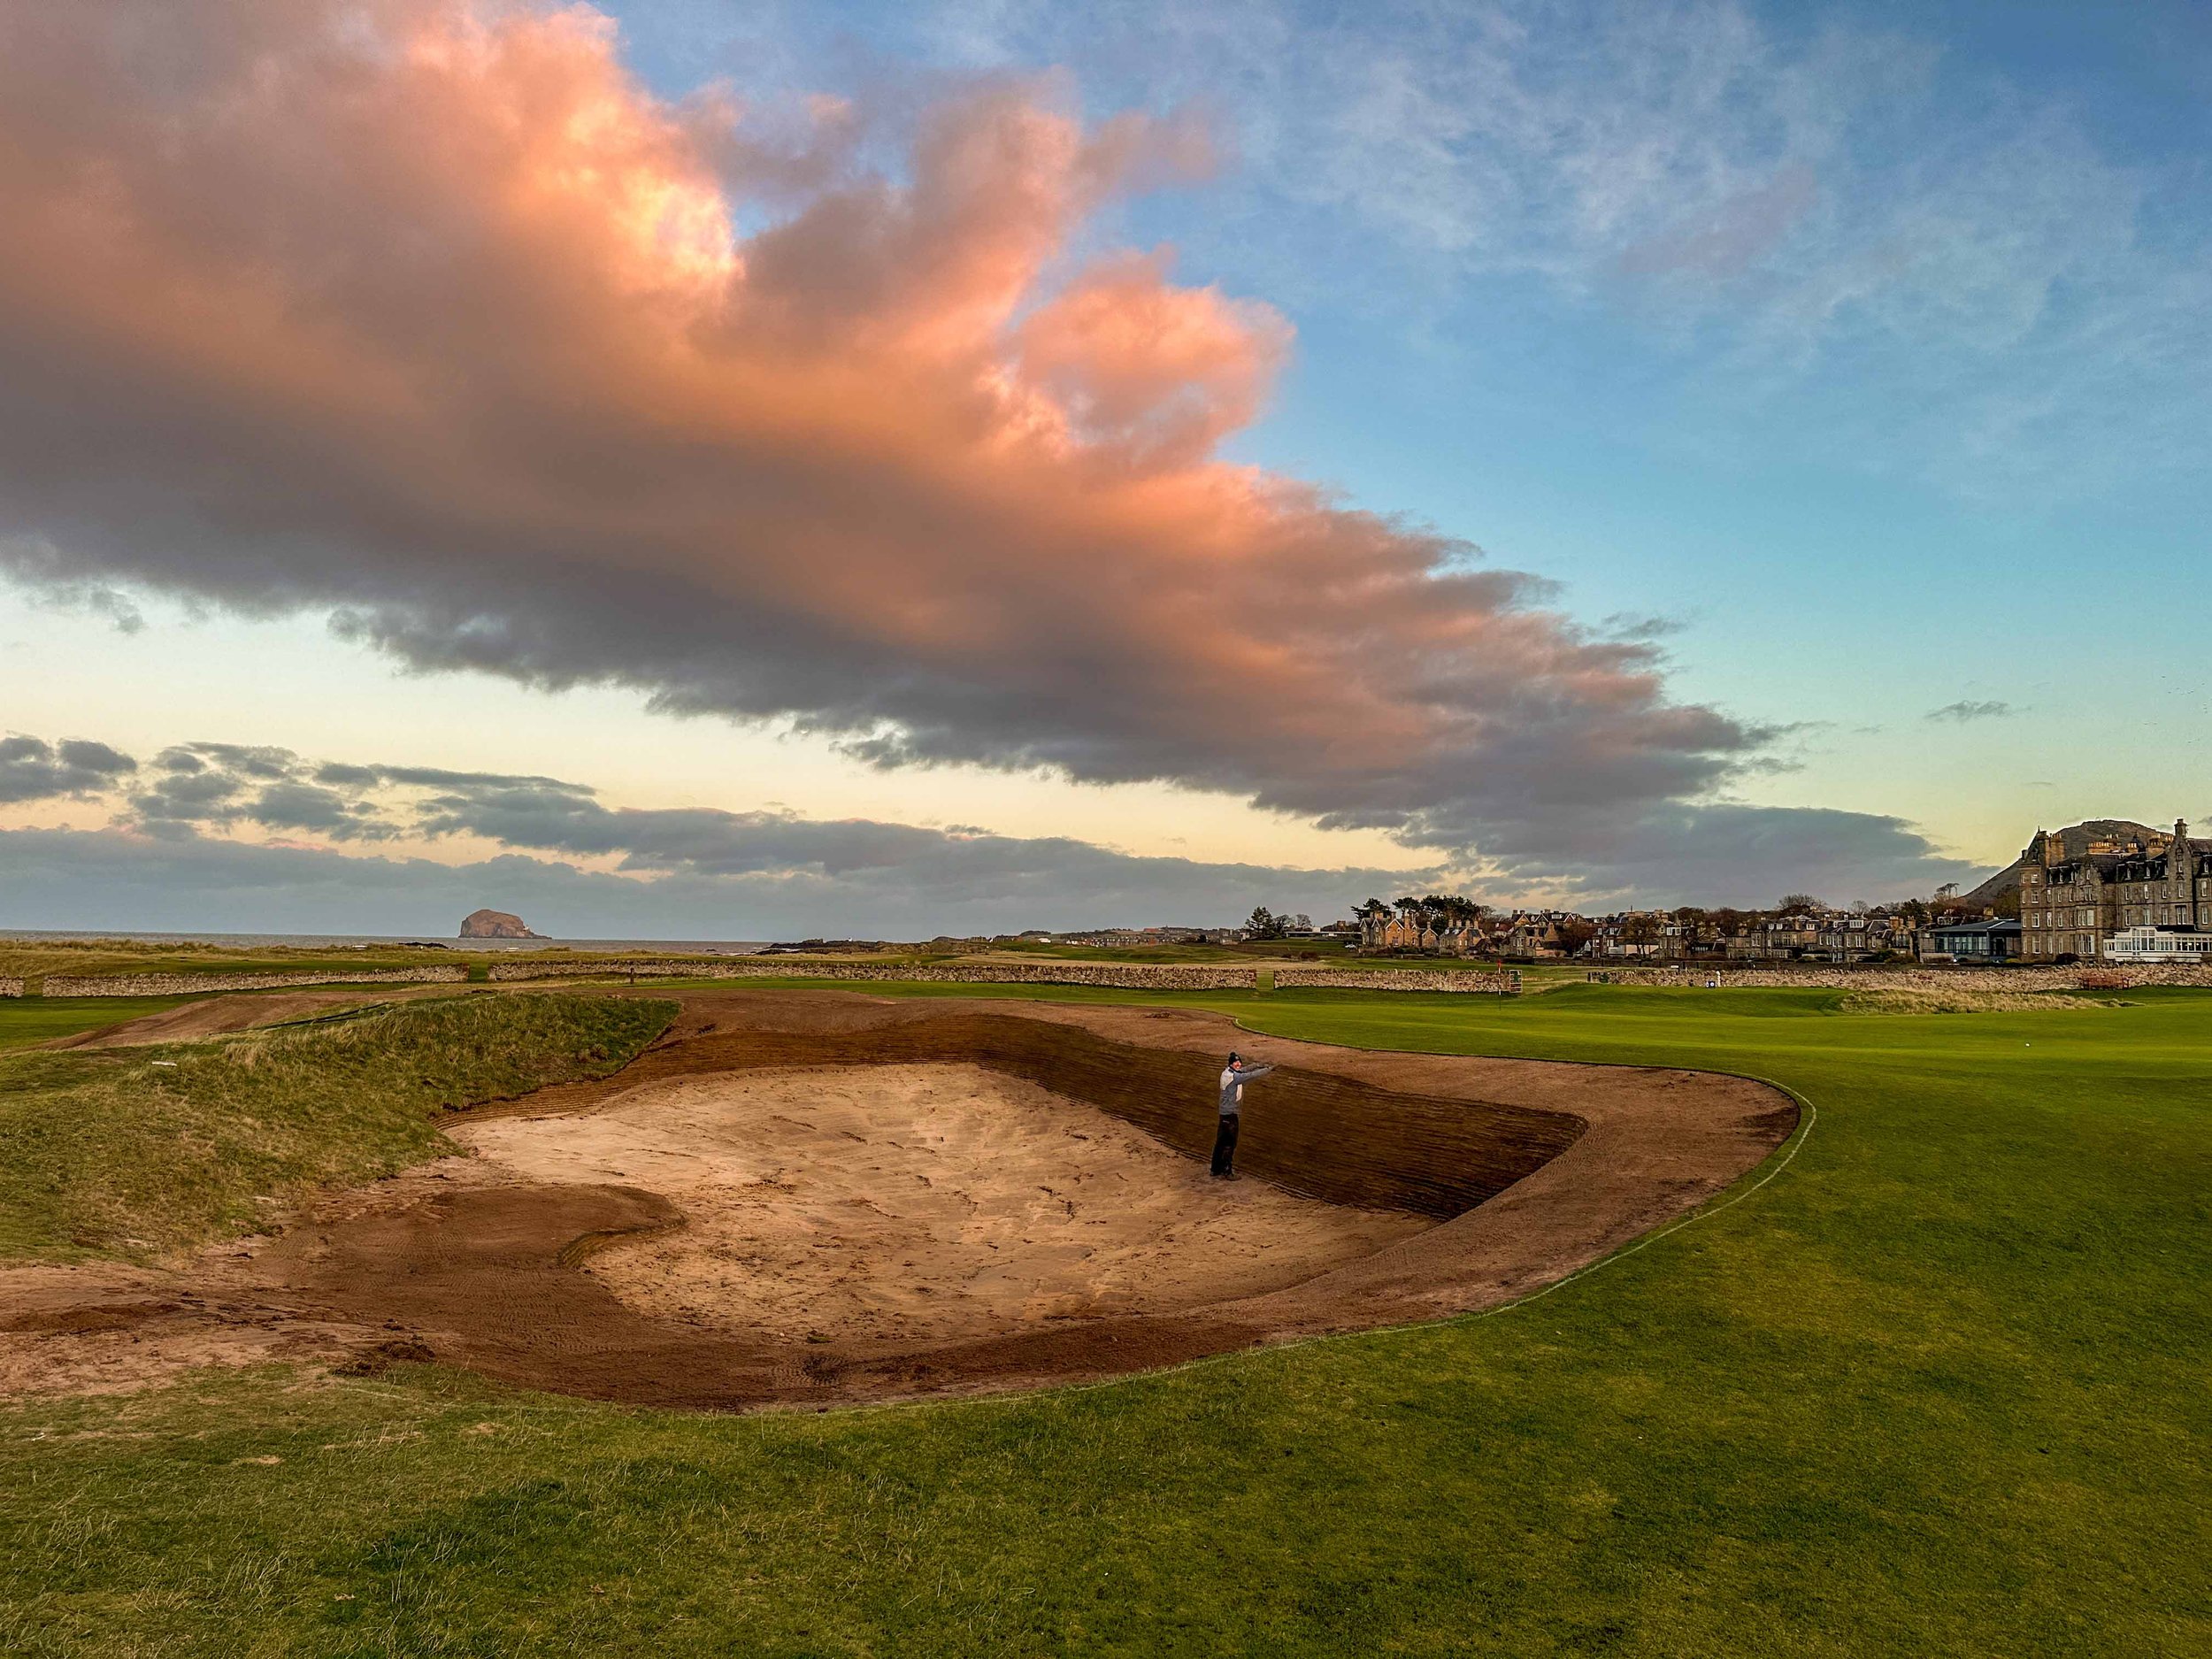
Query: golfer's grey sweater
point(1232, 1082)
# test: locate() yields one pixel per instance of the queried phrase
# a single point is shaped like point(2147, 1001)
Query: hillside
point(2076, 838)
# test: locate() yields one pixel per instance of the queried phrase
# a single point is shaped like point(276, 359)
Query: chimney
point(2053, 848)
point(2181, 864)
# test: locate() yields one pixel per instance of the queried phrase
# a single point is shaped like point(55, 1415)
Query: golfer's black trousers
point(1225, 1145)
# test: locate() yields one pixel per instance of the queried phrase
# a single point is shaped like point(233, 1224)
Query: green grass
point(132, 1152)
point(1940, 1388)
point(25, 1020)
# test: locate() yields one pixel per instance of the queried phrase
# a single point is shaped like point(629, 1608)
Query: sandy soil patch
point(895, 1204)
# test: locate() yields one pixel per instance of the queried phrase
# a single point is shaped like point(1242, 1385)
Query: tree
point(1573, 933)
point(1265, 924)
point(1301, 922)
point(1799, 901)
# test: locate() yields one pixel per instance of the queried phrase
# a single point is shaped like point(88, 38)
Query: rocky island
point(495, 925)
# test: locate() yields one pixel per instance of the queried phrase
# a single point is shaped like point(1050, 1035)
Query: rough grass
point(136, 1152)
point(1937, 1389)
point(1912, 999)
point(35, 959)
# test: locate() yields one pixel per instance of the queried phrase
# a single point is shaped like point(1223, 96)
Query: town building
point(2159, 944)
point(1821, 935)
point(1415, 930)
point(1971, 942)
point(2073, 905)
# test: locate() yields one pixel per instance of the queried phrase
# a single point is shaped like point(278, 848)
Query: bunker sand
point(898, 1204)
point(1389, 1188)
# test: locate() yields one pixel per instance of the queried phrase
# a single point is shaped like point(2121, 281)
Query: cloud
point(32, 769)
point(193, 787)
point(947, 872)
point(428, 314)
point(1713, 854)
point(785, 872)
point(117, 878)
point(1749, 856)
point(1932, 267)
point(1962, 712)
point(1721, 240)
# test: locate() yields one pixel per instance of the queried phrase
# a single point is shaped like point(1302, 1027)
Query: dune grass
point(35, 959)
point(1937, 1389)
point(132, 1152)
point(1943, 999)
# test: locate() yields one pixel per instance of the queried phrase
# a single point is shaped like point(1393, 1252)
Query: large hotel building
point(2076, 905)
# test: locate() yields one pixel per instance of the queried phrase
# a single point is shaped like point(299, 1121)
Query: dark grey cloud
point(1711, 854)
point(112, 605)
point(1741, 855)
point(124, 880)
point(948, 872)
point(1962, 711)
point(216, 786)
point(964, 878)
point(312, 807)
point(32, 769)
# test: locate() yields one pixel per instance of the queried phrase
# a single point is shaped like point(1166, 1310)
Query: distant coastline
point(311, 942)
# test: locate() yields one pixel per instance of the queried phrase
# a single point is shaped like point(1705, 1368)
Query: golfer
point(1240, 1072)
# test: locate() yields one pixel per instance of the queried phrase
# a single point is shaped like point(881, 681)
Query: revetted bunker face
point(496, 1279)
point(1311, 1133)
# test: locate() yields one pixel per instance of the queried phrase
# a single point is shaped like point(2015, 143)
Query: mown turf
point(130, 1152)
point(25, 1020)
point(1937, 1389)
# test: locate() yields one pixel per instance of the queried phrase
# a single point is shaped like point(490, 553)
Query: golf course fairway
point(1933, 1380)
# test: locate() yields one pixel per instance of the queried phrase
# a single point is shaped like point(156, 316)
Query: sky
point(697, 469)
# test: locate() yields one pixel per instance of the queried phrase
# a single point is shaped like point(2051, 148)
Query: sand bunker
point(817, 1197)
point(895, 1204)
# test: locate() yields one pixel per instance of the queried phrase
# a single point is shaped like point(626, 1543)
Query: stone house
point(1776, 939)
point(1414, 930)
point(2071, 905)
point(1533, 933)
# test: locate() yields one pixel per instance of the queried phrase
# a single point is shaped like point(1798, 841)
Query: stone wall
point(2098, 976)
point(11, 988)
point(1133, 976)
point(1494, 984)
point(195, 984)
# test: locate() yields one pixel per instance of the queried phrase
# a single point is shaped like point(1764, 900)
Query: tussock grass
point(36, 958)
point(135, 1152)
point(1912, 999)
